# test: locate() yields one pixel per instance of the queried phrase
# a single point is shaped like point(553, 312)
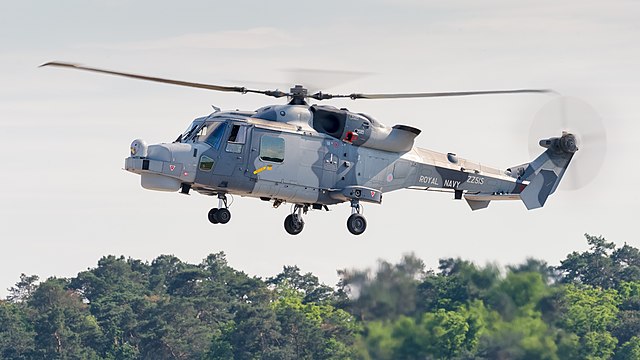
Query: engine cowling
point(362, 130)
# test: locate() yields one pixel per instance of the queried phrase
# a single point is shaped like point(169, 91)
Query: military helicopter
point(314, 156)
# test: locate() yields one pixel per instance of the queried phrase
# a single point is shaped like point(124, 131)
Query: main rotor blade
point(441, 94)
point(242, 90)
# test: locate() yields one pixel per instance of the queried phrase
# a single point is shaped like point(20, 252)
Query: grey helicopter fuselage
point(314, 156)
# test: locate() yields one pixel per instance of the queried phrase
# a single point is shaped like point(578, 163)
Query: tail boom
point(532, 182)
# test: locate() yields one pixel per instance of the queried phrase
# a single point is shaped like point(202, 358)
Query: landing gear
point(212, 216)
point(223, 216)
point(293, 223)
point(220, 215)
point(356, 223)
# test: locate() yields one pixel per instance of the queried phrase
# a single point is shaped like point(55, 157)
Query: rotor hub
point(569, 143)
point(298, 95)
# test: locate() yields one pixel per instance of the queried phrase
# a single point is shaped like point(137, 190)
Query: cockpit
point(212, 132)
point(210, 129)
point(191, 131)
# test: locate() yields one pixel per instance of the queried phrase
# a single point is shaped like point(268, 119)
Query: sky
point(65, 200)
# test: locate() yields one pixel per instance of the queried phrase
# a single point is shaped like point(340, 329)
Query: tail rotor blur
point(567, 114)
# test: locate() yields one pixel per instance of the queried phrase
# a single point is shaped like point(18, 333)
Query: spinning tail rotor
point(564, 115)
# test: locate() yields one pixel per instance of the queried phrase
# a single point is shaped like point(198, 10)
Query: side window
point(272, 149)
point(237, 138)
point(206, 163)
point(216, 136)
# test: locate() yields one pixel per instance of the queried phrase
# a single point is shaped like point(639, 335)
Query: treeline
point(588, 307)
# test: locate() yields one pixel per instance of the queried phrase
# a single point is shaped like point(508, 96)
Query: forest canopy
point(586, 307)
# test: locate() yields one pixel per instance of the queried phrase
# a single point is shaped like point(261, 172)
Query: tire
point(223, 216)
point(356, 224)
point(292, 226)
point(212, 216)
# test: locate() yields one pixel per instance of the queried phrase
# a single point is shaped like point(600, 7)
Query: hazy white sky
point(65, 202)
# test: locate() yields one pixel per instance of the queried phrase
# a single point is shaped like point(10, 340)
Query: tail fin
point(545, 172)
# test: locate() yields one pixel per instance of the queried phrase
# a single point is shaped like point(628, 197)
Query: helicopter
point(315, 156)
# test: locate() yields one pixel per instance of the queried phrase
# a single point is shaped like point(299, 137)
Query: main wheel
point(293, 226)
point(212, 216)
point(356, 224)
point(223, 216)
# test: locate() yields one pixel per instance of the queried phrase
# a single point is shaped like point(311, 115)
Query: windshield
point(199, 131)
point(212, 133)
point(191, 130)
point(205, 131)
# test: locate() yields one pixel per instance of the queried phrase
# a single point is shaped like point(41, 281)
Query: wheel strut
point(294, 223)
point(356, 223)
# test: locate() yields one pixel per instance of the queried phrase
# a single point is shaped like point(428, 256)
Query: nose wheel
point(293, 223)
point(220, 215)
point(212, 216)
point(356, 223)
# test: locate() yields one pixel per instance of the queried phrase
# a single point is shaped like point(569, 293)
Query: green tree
point(313, 330)
point(518, 293)
point(308, 284)
point(441, 334)
point(630, 350)
point(548, 273)
point(253, 334)
point(377, 341)
point(117, 296)
point(65, 329)
point(391, 292)
point(17, 338)
point(172, 329)
point(458, 282)
point(23, 289)
point(588, 308)
point(523, 337)
point(628, 319)
point(450, 333)
point(603, 265)
point(590, 313)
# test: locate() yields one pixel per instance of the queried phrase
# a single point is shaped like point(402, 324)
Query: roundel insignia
point(172, 167)
point(390, 178)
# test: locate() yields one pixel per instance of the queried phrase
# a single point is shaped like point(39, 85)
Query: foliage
point(586, 308)
point(17, 336)
point(603, 265)
point(389, 293)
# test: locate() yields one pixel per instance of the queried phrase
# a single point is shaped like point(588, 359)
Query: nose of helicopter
point(163, 167)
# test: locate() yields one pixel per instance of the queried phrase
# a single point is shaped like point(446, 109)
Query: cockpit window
point(237, 138)
point(190, 132)
point(212, 133)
